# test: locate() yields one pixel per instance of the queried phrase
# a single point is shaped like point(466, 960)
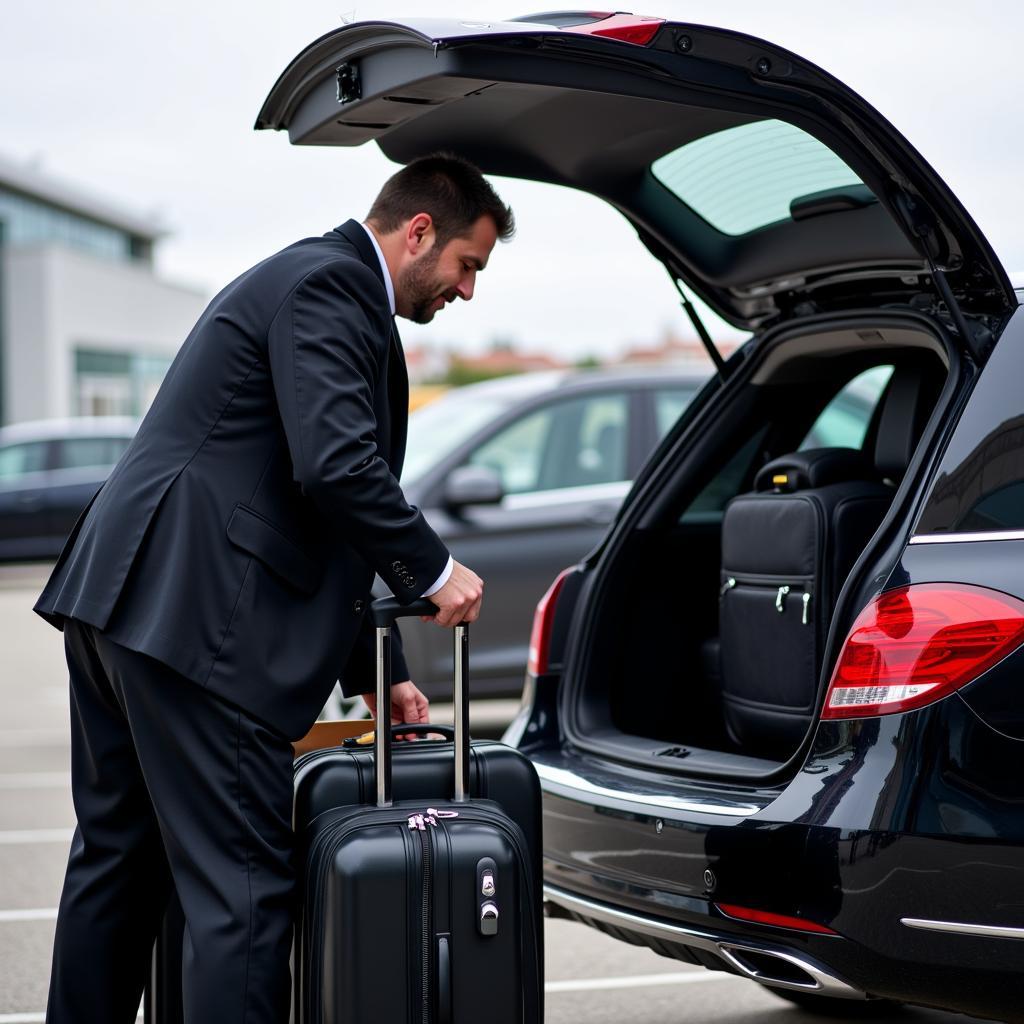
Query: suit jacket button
point(358, 607)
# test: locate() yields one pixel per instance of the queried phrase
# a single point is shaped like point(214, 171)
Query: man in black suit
point(216, 587)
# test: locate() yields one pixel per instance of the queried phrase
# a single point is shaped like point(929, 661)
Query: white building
point(86, 328)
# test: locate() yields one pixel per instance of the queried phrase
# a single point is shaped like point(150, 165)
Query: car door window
point(575, 443)
point(669, 404)
point(82, 452)
point(844, 422)
point(16, 460)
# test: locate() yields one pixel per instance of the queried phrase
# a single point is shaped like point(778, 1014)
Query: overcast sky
point(152, 104)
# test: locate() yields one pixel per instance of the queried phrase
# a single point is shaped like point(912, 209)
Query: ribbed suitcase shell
point(390, 927)
point(338, 777)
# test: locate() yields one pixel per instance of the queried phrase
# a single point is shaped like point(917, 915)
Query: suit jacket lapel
point(398, 401)
point(395, 431)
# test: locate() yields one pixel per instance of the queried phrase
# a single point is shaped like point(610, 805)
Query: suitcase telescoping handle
point(383, 613)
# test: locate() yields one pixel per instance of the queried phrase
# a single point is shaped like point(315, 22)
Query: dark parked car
point(49, 470)
point(519, 475)
point(850, 824)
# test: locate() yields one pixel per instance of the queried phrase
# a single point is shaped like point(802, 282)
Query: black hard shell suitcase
point(338, 777)
point(787, 549)
point(428, 910)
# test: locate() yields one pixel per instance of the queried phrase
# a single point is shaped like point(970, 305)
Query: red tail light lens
point(543, 619)
point(627, 28)
point(799, 924)
point(914, 645)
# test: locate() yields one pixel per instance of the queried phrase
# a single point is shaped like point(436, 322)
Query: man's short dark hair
point(450, 189)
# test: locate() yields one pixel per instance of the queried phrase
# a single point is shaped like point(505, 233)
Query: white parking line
point(637, 981)
point(35, 780)
point(19, 837)
point(577, 985)
point(29, 1018)
point(38, 914)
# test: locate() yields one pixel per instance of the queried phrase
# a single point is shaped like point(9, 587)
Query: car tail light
point(914, 645)
point(776, 920)
point(627, 28)
point(543, 618)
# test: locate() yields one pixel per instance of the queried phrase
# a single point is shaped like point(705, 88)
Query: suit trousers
point(172, 787)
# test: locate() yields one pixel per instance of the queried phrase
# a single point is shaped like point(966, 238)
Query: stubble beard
point(421, 287)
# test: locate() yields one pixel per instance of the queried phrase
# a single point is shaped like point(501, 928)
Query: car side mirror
point(473, 485)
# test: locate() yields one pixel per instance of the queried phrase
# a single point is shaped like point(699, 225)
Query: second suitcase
point(425, 911)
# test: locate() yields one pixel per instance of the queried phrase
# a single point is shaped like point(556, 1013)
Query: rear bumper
point(763, 962)
point(922, 916)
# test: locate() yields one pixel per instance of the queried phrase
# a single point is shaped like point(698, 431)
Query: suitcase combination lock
point(487, 887)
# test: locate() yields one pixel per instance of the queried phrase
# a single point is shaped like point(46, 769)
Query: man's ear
point(419, 235)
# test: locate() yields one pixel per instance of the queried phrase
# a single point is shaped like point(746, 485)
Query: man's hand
point(459, 599)
point(407, 705)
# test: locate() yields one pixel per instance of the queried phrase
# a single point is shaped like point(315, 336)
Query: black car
point(520, 475)
point(856, 828)
point(49, 469)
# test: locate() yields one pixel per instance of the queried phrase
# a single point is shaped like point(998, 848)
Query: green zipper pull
point(726, 587)
point(807, 604)
point(780, 597)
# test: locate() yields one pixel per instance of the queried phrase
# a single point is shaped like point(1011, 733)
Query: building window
point(28, 222)
point(110, 383)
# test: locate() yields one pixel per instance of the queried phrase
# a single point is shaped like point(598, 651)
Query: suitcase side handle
point(383, 613)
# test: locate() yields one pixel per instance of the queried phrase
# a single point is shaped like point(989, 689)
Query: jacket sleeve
point(360, 675)
point(328, 346)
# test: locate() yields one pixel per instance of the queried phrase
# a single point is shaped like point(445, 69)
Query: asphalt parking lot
point(590, 978)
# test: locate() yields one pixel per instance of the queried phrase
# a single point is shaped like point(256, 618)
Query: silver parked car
point(520, 476)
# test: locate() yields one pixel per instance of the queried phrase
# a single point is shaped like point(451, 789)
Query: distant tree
point(587, 363)
point(460, 373)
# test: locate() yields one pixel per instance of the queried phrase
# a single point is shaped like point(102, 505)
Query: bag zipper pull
point(435, 813)
point(416, 822)
point(807, 604)
point(780, 597)
point(727, 586)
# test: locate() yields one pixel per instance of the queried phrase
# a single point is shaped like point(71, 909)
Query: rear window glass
point(745, 178)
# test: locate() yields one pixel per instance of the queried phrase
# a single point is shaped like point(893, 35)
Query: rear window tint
point(745, 178)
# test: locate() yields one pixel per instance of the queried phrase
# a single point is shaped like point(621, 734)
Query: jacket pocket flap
point(248, 530)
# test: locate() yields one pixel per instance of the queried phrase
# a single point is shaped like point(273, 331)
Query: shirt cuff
point(441, 580)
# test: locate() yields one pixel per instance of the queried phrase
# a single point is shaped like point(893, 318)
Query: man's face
point(433, 277)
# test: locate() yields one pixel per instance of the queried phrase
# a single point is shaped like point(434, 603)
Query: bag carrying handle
point(383, 614)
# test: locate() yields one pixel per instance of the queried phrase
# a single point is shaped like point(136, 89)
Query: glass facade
point(27, 221)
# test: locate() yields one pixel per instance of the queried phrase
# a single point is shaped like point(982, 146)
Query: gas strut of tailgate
point(915, 216)
point(702, 331)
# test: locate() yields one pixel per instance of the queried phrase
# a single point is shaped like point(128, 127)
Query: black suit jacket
point(237, 538)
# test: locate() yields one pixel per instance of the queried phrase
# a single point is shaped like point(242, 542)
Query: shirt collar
point(383, 268)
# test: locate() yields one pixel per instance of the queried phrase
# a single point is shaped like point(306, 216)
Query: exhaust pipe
point(783, 970)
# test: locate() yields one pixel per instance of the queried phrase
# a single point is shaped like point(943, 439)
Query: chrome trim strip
point(984, 931)
point(823, 981)
point(966, 538)
point(555, 779)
